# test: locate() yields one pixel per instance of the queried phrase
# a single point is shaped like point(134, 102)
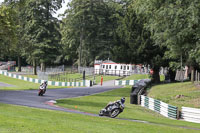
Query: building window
point(127, 67)
point(103, 66)
point(110, 67)
point(106, 66)
point(115, 67)
point(121, 67)
point(124, 67)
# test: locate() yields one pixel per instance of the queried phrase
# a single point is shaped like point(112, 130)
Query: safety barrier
point(54, 83)
point(125, 82)
point(190, 114)
point(160, 107)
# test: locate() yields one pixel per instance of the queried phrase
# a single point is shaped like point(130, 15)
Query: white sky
point(60, 11)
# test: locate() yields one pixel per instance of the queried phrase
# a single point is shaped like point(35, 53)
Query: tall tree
point(8, 28)
point(136, 45)
point(42, 31)
point(174, 24)
point(88, 28)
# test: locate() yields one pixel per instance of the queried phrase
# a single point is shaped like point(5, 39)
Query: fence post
point(192, 76)
point(195, 76)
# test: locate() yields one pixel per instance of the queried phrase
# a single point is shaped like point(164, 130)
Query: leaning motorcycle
point(113, 110)
point(41, 91)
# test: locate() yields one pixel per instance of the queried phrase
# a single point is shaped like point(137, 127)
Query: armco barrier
point(55, 83)
point(160, 107)
point(125, 82)
point(190, 114)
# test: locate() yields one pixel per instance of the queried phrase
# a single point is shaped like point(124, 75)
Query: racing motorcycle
point(42, 89)
point(41, 92)
point(112, 110)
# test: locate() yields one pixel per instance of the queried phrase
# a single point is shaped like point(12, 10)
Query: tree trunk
point(19, 64)
point(172, 75)
point(42, 67)
point(34, 67)
point(156, 75)
point(80, 49)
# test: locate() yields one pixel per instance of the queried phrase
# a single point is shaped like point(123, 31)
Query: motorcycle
point(112, 110)
point(42, 89)
point(41, 92)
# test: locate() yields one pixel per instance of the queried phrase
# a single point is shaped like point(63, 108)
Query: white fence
point(190, 114)
point(160, 107)
point(55, 83)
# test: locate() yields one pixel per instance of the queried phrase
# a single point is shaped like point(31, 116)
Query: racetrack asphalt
point(30, 98)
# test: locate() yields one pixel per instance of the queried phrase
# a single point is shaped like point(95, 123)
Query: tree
point(88, 29)
point(8, 27)
point(174, 24)
point(42, 31)
point(18, 7)
point(136, 45)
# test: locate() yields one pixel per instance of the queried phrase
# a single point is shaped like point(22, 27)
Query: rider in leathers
point(122, 101)
point(43, 86)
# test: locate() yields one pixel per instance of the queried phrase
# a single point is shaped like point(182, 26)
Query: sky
point(60, 11)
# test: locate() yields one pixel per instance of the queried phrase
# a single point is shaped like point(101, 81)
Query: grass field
point(96, 102)
point(168, 92)
point(14, 119)
point(20, 84)
point(79, 77)
point(137, 76)
point(141, 76)
point(18, 119)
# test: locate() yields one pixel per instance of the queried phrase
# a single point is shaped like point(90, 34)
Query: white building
point(111, 68)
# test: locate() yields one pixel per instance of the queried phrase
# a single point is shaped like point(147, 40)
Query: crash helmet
point(45, 82)
point(123, 99)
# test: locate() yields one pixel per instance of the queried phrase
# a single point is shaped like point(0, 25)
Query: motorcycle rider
point(43, 86)
point(121, 101)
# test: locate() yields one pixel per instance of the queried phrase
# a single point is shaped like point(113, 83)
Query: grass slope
point(168, 92)
point(96, 102)
point(141, 76)
point(20, 84)
point(80, 76)
point(17, 119)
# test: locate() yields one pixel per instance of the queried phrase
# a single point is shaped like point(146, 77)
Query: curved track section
point(31, 99)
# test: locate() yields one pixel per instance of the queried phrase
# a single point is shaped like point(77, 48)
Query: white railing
point(190, 114)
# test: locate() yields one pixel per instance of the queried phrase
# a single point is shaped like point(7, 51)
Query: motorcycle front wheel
point(114, 113)
point(101, 113)
point(40, 93)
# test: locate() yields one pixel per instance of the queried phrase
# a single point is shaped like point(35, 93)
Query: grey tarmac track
point(31, 99)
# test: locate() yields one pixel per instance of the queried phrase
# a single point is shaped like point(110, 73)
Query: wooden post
point(196, 76)
point(192, 76)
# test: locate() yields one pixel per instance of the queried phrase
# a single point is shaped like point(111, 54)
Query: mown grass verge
point(20, 84)
point(178, 94)
point(96, 102)
point(80, 76)
point(142, 76)
point(14, 119)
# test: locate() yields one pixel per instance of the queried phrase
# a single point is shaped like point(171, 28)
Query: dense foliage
point(159, 33)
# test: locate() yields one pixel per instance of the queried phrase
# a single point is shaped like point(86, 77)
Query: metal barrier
point(160, 107)
point(190, 114)
point(126, 82)
point(55, 83)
